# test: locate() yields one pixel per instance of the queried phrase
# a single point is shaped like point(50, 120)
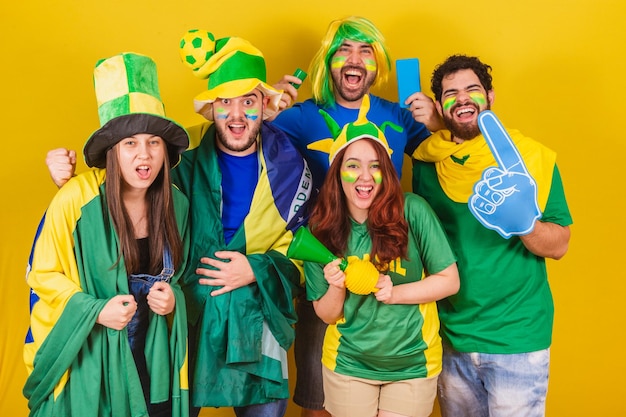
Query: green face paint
point(449, 102)
point(370, 65)
point(478, 98)
point(221, 113)
point(338, 61)
point(252, 114)
point(349, 176)
point(378, 177)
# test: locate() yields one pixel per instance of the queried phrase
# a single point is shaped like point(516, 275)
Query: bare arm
point(432, 288)
point(329, 308)
point(61, 163)
point(548, 240)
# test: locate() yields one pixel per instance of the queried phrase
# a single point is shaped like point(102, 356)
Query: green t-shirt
point(504, 304)
point(381, 341)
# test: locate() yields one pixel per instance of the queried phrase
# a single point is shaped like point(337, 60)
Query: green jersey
point(504, 304)
point(381, 341)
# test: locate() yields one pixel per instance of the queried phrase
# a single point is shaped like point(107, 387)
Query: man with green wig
point(352, 58)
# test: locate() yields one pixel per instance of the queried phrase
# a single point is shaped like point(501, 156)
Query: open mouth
point(464, 112)
point(143, 171)
point(364, 191)
point(353, 75)
point(237, 128)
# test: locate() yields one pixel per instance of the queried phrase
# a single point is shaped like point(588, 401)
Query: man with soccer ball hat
point(248, 187)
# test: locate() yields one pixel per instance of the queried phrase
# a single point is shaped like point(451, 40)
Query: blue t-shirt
point(303, 125)
point(240, 175)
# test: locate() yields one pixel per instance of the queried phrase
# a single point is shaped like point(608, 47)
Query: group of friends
point(160, 278)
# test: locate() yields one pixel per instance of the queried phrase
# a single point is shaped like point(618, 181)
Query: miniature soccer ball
point(196, 47)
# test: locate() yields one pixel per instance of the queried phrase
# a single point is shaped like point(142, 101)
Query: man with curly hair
point(497, 329)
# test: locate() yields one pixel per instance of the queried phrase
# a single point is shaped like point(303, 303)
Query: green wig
point(351, 28)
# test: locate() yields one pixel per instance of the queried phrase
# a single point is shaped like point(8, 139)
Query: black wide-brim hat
point(122, 127)
point(129, 103)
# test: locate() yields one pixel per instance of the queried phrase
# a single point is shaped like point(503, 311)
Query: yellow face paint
point(378, 177)
point(478, 98)
point(349, 176)
point(449, 102)
point(370, 65)
point(338, 61)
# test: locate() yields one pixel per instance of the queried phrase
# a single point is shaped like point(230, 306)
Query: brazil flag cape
point(77, 367)
point(243, 335)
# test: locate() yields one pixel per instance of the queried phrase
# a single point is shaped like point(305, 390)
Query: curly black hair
point(455, 63)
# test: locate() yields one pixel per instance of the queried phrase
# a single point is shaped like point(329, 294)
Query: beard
point(465, 131)
point(352, 95)
point(222, 135)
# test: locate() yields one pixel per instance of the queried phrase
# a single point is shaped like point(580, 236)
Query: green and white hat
point(233, 66)
point(129, 103)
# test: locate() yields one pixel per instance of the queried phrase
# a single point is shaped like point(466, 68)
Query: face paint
point(378, 177)
point(252, 114)
point(370, 65)
point(449, 102)
point(221, 113)
point(338, 61)
point(349, 176)
point(478, 98)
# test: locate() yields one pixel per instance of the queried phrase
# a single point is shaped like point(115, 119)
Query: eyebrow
point(452, 90)
point(360, 160)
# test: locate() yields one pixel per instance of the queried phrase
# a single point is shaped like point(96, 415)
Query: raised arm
point(424, 111)
point(61, 164)
point(290, 93)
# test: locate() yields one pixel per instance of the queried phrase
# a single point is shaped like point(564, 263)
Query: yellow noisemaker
point(361, 276)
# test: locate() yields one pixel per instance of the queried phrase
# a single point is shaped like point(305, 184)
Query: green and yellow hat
point(361, 128)
point(129, 102)
point(233, 66)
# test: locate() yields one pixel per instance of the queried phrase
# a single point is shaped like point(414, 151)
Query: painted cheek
point(448, 103)
point(252, 114)
point(370, 65)
point(221, 113)
point(349, 176)
point(378, 177)
point(478, 98)
point(338, 62)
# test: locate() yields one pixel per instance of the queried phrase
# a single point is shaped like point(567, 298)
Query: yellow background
point(559, 71)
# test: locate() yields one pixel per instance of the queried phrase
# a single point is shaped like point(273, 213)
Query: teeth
point(365, 188)
point(466, 110)
point(143, 167)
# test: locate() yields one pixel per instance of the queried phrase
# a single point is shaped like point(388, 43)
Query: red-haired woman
point(382, 351)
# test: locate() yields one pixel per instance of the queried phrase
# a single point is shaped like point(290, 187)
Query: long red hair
point(330, 218)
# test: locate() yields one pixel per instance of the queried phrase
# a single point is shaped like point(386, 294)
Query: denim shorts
point(310, 331)
point(493, 385)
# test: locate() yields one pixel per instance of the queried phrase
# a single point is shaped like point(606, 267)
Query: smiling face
point(141, 158)
point(361, 178)
point(238, 122)
point(353, 69)
point(462, 98)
